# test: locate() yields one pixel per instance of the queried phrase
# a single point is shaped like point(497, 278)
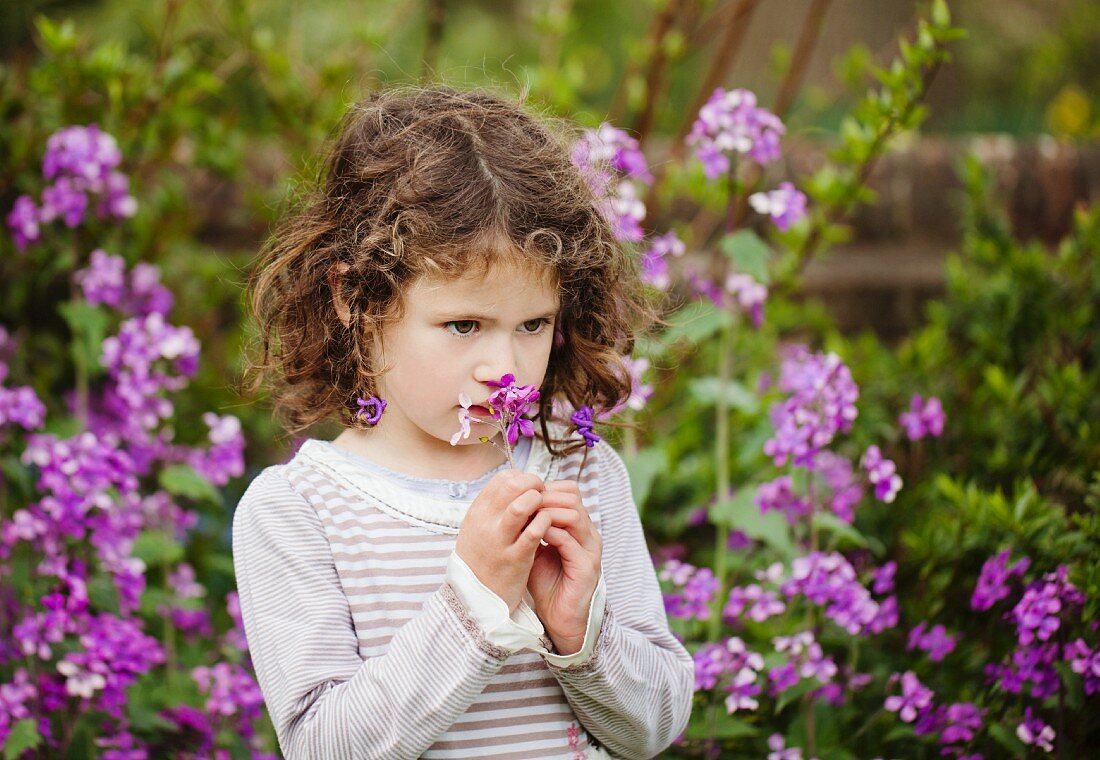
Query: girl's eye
point(534, 326)
point(462, 326)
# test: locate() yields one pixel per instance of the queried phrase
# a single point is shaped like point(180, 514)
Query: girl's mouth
point(479, 411)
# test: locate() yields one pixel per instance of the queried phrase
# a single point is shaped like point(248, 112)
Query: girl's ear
point(335, 273)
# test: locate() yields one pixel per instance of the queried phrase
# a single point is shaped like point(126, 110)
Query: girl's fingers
point(518, 512)
point(568, 547)
point(534, 533)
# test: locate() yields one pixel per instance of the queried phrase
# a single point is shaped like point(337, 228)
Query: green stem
point(722, 474)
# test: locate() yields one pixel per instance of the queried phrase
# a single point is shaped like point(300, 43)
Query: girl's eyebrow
point(455, 314)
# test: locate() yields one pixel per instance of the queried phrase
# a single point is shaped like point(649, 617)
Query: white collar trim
point(424, 511)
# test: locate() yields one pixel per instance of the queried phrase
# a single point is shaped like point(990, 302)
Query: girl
point(403, 595)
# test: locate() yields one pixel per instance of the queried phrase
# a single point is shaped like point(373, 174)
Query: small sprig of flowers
point(508, 406)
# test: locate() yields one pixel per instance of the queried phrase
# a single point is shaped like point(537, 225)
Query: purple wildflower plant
point(81, 165)
point(924, 418)
point(821, 404)
point(882, 473)
point(1035, 732)
point(612, 164)
point(692, 590)
point(915, 697)
point(731, 666)
point(1038, 613)
point(509, 406)
point(655, 259)
point(731, 124)
point(935, 641)
point(786, 205)
point(993, 580)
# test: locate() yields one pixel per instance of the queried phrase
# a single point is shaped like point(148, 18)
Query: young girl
point(406, 596)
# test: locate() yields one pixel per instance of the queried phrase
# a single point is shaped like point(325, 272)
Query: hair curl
point(437, 182)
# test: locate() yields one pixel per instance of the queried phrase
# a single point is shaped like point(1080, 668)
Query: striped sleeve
point(634, 694)
point(324, 699)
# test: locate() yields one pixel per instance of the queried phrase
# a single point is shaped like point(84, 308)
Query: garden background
point(865, 449)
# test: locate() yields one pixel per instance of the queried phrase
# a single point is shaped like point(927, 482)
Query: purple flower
point(693, 589)
point(225, 457)
point(935, 641)
point(83, 153)
point(21, 406)
point(730, 662)
point(64, 199)
point(582, 418)
point(846, 491)
point(1033, 731)
point(230, 690)
point(509, 404)
point(104, 279)
point(1037, 613)
point(778, 495)
point(1085, 662)
point(748, 294)
point(882, 473)
point(883, 578)
point(701, 287)
point(785, 206)
point(993, 581)
point(14, 697)
point(923, 418)
point(753, 602)
point(655, 259)
point(731, 124)
point(610, 162)
point(914, 697)
point(23, 220)
point(821, 404)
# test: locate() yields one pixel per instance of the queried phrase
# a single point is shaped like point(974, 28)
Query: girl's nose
point(498, 360)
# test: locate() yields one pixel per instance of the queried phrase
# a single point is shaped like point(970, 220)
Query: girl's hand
point(565, 572)
point(496, 540)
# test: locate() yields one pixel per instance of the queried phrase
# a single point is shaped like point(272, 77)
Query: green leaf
point(748, 253)
point(156, 547)
point(741, 513)
point(181, 480)
point(1007, 739)
point(694, 322)
point(805, 686)
point(830, 523)
point(706, 390)
point(643, 468)
point(941, 14)
point(725, 726)
point(24, 735)
point(89, 327)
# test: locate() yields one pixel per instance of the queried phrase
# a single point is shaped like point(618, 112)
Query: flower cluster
point(935, 641)
point(805, 659)
point(830, 581)
point(993, 580)
point(80, 162)
point(779, 495)
point(139, 294)
point(786, 205)
point(1037, 614)
point(693, 589)
point(753, 602)
point(87, 505)
point(730, 123)
point(1033, 731)
point(923, 418)
point(915, 697)
point(20, 405)
point(733, 665)
point(820, 405)
point(613, 165)
point(739, 291)
point(655, 259)
point(882, 473)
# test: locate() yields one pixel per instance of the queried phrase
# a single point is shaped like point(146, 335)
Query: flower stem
point(722, 474)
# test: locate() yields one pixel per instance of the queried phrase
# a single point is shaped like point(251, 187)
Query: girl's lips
point(479, 410)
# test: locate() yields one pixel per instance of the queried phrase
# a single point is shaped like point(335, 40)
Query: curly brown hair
point(437, 182)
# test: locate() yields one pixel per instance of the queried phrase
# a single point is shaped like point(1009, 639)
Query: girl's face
point(454, 337)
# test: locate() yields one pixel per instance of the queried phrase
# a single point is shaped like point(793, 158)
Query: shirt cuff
point(591, 633)
point(521, 630)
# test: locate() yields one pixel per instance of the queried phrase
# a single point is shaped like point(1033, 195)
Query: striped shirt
point(363, 650)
